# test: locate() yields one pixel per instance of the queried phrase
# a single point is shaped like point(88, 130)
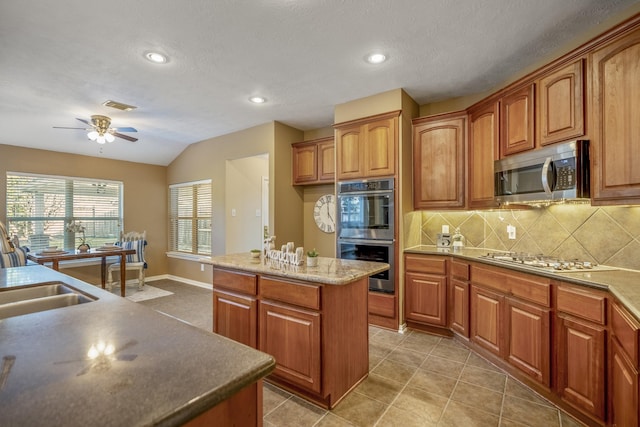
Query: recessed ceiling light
point(376, 58)
point(156, 57)
point(258, 100)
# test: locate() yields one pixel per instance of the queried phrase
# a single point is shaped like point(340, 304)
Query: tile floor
point(415, 379)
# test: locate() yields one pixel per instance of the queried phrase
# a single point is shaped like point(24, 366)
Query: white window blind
point(39, 207)
point(190, 217)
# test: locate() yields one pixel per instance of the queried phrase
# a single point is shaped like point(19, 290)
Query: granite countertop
point(162, 371)
point(330, 271)
point(622, 283)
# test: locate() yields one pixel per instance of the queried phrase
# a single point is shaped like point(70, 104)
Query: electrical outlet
point(201, 267)
point(233, 212)
point(511, 231)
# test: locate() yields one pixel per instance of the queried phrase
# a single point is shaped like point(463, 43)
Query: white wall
point(244, 196)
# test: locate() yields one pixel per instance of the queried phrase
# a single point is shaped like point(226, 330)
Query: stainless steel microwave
point(557, 172)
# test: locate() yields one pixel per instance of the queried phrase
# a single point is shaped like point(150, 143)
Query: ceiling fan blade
point(127, 137)
point(126, 129)
point(63, 127)
point(84, 121)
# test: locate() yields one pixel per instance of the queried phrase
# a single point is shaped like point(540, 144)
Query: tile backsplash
point(605, 235)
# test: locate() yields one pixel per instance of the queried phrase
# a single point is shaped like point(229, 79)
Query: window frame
point(195, 218)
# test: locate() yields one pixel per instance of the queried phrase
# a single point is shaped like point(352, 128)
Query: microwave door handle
point(545, 175)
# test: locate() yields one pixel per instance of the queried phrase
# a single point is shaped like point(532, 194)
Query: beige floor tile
point(433, 383)
point(407, 357)
point(396, 417)
point(380, 388)
point(488, 379)
point(420, 402)
point(421, 342)
point(457, 415)
point(568, 421)
point(387, 338)
point(529, 413)
point(451, 352)
point(359, 409)
point(442, 366)
point(272, 397)
point(395, 371)
point(373, 361)
point(380, 349)
point(478, 397)
point(516, 389)
point(331, 420)
point(480, 362)
point(295, 412)
point(504, 422)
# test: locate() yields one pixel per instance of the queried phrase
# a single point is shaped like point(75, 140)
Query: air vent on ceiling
point(119, 105)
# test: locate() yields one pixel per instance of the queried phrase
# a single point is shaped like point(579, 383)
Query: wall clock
point(324, 213)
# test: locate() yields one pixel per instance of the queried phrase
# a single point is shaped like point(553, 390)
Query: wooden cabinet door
point(438, 163)
point(292, 337)
point(305, 163)
point(484, 140)
point(487, 321)
point(426, 298)
point(624, 389)
point(381, 139)
point(615, 124)
point(350, 152)
point(235, 316)
point(560, 104)
point(580, 349)
point(459, 306)
point(517, 121)
point(529, 339)
point(326, 161)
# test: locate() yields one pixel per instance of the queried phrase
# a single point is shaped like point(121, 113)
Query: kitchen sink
point(41, 297)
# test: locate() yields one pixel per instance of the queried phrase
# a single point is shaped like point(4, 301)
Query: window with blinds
point(190, 217)
point(40, 208)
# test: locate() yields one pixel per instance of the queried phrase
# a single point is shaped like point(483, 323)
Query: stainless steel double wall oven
point(365, 226)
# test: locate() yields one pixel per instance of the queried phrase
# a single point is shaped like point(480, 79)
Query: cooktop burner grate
point(544, 261)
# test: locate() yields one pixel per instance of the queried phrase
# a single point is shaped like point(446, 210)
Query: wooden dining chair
point(131, 240)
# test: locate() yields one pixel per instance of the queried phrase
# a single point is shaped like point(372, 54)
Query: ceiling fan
point(101, 131)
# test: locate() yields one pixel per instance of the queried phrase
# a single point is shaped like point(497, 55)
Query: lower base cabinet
point(292, 337)
point(235, 317)
point(624, 389)
point(487, 319)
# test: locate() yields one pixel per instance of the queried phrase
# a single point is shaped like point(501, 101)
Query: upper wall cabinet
point(367, 148)
point(517, 121)
point(615, 70)
point(484, 139)
point(560, 104)
point(438, 161)
point(313, 162)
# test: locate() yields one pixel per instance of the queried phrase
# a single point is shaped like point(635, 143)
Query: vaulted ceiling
point(60, 60)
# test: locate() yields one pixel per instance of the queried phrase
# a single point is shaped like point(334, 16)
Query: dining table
point(55, 257)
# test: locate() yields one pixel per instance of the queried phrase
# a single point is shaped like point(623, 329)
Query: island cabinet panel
point(367, 147)
point(581, 348)
point(529, 337)
point(242, 409)
point(292, 337)
point(484, 149)
point(439, 161)
point(517, 121)
point(303, 295)
point(560, 104)
point(616, 128)
point(235, 316)
point(624, 362)
point(235, 280)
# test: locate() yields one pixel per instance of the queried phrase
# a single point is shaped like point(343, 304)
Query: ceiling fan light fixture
point(93, 135)
point(156, 58)
point(109, 137)
point(101, 139)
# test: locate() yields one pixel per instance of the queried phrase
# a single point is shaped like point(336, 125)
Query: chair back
point(137, 241)
point(11, 254)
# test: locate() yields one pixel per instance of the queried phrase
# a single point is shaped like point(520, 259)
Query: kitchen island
point(108, 361)
point(312, 320)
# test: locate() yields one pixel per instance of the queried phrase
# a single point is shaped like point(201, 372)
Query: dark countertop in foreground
point(330, 271)
point(162, 371)
point(623, 284)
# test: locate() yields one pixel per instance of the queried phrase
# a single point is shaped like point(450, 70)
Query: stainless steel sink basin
point(40, 297)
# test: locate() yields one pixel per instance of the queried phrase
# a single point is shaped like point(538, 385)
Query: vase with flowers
point(75, 228)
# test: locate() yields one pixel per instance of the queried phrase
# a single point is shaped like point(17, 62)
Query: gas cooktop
point(546, 262)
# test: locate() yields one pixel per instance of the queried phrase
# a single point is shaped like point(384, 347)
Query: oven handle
point(366, 241)
point(366, 193)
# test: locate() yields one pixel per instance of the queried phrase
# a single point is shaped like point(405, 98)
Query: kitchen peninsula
point(111, 362)
point(312, 320)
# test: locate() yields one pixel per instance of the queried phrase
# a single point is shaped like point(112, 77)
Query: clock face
point(324, 213)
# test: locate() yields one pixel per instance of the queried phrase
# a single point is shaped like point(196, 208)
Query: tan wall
point(369, 106)
point(325, 243)
point(145, 195)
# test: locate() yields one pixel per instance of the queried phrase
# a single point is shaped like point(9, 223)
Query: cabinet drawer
point(530, 288)
point(382, 304)
point(489, 277)
point(290, 292)
point(425, 264)
point(581, 303)
point(460, 270)
point(627, 330)
point(242, 282)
